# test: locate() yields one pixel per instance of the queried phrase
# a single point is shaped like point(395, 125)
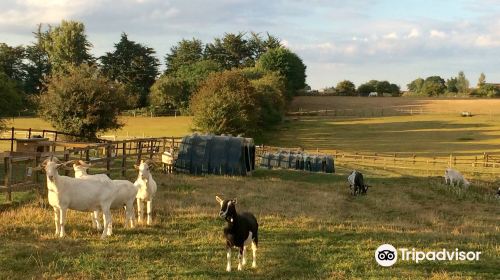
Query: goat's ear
point(59, 165)
point(235, 201)
point(136, 166)
point(219, 200)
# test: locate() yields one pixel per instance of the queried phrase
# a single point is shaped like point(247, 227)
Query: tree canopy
point(10, 97)
point(133, 65)
point(66, 44)
point(226, 103)
point(287, 64)
point(82, 101)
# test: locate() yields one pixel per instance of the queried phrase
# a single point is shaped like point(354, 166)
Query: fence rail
point(483, 164)
point(112, 157)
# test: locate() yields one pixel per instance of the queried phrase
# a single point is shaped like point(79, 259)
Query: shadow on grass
point(383, 135)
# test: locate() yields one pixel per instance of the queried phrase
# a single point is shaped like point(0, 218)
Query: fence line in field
point(486, 163)
point(18, 167)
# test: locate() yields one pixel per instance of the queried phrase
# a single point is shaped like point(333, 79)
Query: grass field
point(310, 228)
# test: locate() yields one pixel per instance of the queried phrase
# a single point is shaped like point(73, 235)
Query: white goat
point(77, 194)
point(454, 176)
point(147, 189)
point(125, 195)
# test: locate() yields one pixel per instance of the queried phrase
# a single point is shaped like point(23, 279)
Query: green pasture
point(310, 228)
point(423, 135)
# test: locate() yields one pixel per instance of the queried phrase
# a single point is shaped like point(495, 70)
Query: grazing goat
point(356, 183)
point(77, 194)
point(125, 195)
point(242, 229)
point(454, 176)
point(146, 190)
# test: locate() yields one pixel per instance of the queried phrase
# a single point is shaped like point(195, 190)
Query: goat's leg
point(56, 220)
point(139, 210)
point(228, 256)
point(240, 256)
point(130, 214)
point(95, 220)
point(254, 253)
point(150, 214)
point(244, 260)
point(106, 215)
point(62, 221)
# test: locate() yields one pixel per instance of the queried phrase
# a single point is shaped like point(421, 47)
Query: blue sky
point(355, 40)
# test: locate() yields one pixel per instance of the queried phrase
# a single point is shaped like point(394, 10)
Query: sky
point(357, 40)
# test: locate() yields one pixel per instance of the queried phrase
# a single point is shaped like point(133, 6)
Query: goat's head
point(227, 208)
point(50, 167)
point(466, 183)
point(80, 166)
point(145, 169)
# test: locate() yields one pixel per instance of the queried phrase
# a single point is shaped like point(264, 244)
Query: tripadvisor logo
point(386, 255)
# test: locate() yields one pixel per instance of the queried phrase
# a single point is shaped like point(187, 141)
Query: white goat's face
point(80, 168)
point(144, 170)
point(50, 168)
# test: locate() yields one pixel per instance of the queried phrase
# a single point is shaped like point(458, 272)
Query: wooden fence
point(114, 158)
point(475, 165)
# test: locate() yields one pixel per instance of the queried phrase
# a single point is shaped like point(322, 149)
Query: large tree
point(186, 52)
point(173, 90)
point(226, 103)
point(11, 62)
point(366, 88)
point(66, 44)
point(270, 88)
point(451, 85)
point(37, 65)
point(462, 83)
point(82, 101)
point(287, 64)
point(433, 86)
point(416, 86)
point(133, 65)
point(383, 87)
point(231, 51)
point(10, 97)
point(258, 45)
point(345, 88)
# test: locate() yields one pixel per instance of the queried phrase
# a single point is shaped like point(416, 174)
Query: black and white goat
point(241, 231)
point(356, 183)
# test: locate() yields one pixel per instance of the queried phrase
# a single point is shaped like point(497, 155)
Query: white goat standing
point(125, 195)
point(77, 194)
point(147, 189)
point(454, 176)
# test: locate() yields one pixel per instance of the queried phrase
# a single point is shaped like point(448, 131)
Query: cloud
point(437, 34)
point(414, 33)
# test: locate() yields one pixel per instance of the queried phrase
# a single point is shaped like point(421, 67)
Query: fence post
point(8, 177)
point(414, 161)
point(139, 152)
point(485, 159)
point(66, 159)
point(151, 150)
point(124, 159)
point(450, 161)
point(12, 135)
point(108, 159)
point(87, 154)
